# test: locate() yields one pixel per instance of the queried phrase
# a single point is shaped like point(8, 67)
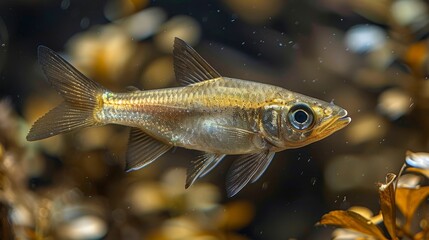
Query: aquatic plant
point(404, 207)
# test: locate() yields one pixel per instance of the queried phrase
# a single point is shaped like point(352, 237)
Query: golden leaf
point(422, 171)
point(409, 181)
point(354, 221)
point(387, 201)
point(408, 200)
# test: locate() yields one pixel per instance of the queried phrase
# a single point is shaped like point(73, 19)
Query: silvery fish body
point(213, 114)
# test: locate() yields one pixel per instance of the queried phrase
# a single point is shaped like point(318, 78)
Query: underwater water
point(369, 57)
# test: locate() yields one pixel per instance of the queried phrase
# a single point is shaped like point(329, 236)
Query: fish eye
point(301, 116)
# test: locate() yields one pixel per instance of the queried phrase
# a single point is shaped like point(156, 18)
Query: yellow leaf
point(422, 171)
point(408, 200)
point(354, 221)
point(387, 201)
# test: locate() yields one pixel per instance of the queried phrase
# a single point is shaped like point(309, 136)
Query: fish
point(216, 115)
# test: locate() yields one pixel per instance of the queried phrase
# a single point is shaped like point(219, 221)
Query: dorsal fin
point(189, 66)
point(132, 89)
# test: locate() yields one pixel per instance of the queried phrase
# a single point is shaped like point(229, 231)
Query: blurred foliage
point(405, 193)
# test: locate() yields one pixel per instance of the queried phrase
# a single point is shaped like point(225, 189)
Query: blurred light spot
point(407, 12)
point(181, 26)
point(21, 216)
point(255, 11)
point(103, 53)
point(202, 196)
point(158, 74)
point(146, 198)
point(236, 215)
point(394, 103)
point(144, 23)
point(416, 56)
point(365, 128)
point(418, 160)
point(365, 38)
point(172, 182)
point(116, 9)
point(84, 227)
point(180, 228)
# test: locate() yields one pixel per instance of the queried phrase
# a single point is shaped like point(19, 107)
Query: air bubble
point(65, 4)
point(84, 23)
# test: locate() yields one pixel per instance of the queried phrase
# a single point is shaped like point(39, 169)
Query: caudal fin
point(79, 92)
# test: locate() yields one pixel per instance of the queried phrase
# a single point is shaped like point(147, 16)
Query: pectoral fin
point(143, 150)
point(202, 165)
point(247, 168)
point(233, 134)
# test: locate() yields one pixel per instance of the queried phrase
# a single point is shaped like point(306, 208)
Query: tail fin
point(79, 92)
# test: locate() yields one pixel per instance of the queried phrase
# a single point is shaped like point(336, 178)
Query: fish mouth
point(342, 121)
point(344, 118)
point(337, 123)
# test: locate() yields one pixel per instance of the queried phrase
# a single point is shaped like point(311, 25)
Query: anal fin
point(143, 150)
point(247, 168)
point(201, 166)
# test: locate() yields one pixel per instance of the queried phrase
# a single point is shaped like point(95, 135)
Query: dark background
point(299, 45)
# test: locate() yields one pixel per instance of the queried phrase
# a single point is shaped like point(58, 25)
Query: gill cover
point(286, 125)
